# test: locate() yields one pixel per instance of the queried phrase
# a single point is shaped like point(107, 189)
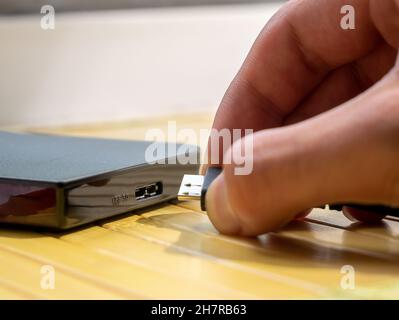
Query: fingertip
point(219, 209)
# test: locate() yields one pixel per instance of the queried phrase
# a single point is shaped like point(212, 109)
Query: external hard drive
point(62, 182)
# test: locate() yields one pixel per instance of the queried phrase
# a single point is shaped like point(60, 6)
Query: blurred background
point(121, 59)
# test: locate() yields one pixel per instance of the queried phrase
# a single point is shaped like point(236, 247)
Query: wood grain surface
point(172, 251)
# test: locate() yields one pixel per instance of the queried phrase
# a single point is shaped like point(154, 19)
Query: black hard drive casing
point(62, 182)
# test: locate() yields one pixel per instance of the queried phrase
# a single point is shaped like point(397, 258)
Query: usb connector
point(195, 187)
point(190, 188)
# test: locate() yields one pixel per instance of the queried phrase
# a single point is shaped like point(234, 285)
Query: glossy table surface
point(172, 251)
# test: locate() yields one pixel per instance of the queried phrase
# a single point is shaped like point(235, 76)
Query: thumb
point(346, 155)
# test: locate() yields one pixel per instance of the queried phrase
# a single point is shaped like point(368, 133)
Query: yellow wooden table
point(172, 251)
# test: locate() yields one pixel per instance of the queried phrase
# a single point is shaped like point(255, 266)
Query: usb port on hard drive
point(148, 191)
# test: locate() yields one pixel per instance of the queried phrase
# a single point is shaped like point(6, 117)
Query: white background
point(104, 66)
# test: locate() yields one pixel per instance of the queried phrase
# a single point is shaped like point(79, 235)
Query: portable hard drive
point(62, 182)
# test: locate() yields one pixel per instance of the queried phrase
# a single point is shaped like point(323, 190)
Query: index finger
point(296, 50)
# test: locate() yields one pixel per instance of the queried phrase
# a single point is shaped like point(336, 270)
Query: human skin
point(324, 105)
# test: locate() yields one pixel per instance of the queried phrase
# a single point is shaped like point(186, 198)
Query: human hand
point(324, 103)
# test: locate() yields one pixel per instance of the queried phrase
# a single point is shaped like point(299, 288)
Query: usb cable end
point(195, 187)
point(190, 188)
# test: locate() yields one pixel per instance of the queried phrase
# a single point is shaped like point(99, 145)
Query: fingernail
point(219, 209)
